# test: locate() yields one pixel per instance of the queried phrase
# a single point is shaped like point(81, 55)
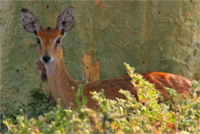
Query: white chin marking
point(51, 60)
point(42, 60)
point(49, 66)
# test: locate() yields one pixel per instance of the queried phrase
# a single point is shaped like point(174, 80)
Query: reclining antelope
point(64, 87)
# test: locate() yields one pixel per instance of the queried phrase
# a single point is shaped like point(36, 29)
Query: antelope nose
point(46, 58)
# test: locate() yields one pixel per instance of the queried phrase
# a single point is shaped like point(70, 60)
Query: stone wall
point(148, 35)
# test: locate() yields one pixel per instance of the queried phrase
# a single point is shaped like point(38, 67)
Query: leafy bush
point(121, 116)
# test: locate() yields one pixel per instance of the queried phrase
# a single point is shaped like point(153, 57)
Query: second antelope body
point(62, 85)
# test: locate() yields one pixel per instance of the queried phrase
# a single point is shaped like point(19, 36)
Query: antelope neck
point(61, 84)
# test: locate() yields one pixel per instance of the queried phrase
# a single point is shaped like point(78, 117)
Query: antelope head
point(49, 39)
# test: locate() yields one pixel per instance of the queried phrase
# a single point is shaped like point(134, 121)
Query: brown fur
point(40, 66)
point(64, 87)
point(112, 86)
point(162, 80)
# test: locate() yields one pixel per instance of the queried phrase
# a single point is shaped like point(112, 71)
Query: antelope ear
point(66, 20)
point(29, 21)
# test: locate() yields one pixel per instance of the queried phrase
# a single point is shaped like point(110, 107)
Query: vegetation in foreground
point(121, 116)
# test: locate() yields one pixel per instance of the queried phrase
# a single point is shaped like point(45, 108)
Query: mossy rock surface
point(148, 35)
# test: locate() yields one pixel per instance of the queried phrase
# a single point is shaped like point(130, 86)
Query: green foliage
point(122, 116)
point(39, 106)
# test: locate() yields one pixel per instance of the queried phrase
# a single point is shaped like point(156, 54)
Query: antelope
point(62, 86)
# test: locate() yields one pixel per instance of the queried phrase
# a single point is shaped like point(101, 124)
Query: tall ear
point(29, 21)
point(66, 20)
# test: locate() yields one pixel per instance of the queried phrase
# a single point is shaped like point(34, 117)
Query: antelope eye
point(58, 41)
point(38, 41)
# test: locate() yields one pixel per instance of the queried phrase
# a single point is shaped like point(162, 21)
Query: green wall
point(149, 35)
